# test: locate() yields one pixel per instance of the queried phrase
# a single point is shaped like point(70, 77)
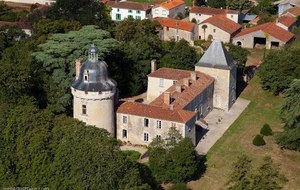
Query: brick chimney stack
point(153, 65)
point(78, 64)
point(167, 98)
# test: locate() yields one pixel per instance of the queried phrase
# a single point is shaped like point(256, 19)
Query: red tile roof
point(171, 4)
point(287, 20)
point(128, 5)
point(295, 11)
point(223, 23)
point(254, 21)
point(182, 99)
point(155, 112)
point(212, 11)
point(168, 73)
point(173, 23)
point(270, 28)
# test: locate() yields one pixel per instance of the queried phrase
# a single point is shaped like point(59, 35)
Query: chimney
point(78, 64)
point(178, 88)
point(186, 81)
point(153, 65)
point(167, 98)
point(193, 75)
point(171, 107)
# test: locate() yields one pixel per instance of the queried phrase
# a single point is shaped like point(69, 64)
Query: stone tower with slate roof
point(217, 63)
point(94, 93)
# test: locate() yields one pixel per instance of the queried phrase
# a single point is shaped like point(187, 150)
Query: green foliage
point(259, 140)
point(179, 186)
point(179, 55)
point(41, 149)
point(245, 177)
point(264, 6)
point(132, 155)
point(290, 114)
point(6, 14)
point(239, 4)
point(58, 56)
point(264, 18)
point(174, 159)
point(216, 3)
point(46, 26)
point(87, 12)
point(279, 69)
point(239, 54)
point(266, 130)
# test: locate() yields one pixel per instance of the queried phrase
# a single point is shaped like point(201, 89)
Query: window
point(164, 12)
point(124, 133)
point(173, 124)
point(231, 16)
point(214, 30)
point(86, 75)
point(118, 16)
point(156, 11)
point(138, 17)
point(174, 81)
point(130, 11)
point(146, 122)
point(124, 119)
point(167, 28)
point(161, 82)
point(130, 16)
point(146, 137)
point(158, 138)
point(158, 124)
point(138, 12)
point(118, 10)
point(83, 109)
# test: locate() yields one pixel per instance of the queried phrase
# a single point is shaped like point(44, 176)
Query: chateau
point(175, 98)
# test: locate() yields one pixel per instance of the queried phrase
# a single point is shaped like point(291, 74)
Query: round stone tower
point(94, 93)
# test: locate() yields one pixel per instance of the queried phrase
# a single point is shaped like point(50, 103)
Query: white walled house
point(169, 9)
point(202, 13)
point(177, 29)
point(218, 27)
point(286, 22)
point(121, 10)
point(284, 5)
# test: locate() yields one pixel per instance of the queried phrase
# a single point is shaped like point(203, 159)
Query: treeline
point(280, 74)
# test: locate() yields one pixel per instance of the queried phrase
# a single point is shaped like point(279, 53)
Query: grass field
point(238, 139)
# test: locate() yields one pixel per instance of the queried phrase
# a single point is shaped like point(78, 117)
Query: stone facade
point(213, 31)
point(168, 33)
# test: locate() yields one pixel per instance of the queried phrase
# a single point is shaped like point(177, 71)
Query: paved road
point(218, 122)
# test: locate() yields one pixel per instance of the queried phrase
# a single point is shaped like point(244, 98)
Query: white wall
point(160, 12)
point(125, 12)
point(233, 17)
point(154, 88)
point(217, 35)
point(31, 1)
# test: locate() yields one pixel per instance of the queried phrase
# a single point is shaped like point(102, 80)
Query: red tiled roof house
point(267, 35)
point(169, 9)
point(286, 22)
point(177, 29)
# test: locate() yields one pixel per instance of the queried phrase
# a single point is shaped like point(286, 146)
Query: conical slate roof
point(216, 56)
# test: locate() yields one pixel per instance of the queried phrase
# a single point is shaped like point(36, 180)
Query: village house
point(284, 5)
point(267, 35)
point(169, 9)
point(121, 10)
point(294, 12)
point(177, 29)
point(218, 27)
point(202, 13)
point(286, 22)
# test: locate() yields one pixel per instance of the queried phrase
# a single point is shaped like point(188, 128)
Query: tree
point(287, 63)
point(87, 12)
point(204, 27)
point(259, 140)
point(266, 130)
point(239, 4)
point(173, 159)
point(264, 6)
point(57, 56)
point(216, 3)
point(239, 54)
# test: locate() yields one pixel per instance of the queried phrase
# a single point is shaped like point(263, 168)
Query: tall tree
point(239, 4)
point(216, 3)
point(58, 56)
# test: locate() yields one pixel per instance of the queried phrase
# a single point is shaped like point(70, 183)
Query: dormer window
point(86, 75)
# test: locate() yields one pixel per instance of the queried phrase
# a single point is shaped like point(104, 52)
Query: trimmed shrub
point(266, 130)
point(259, 140)
point(179, 186)
point(132, 155)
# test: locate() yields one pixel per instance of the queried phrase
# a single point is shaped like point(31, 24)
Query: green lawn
point(238, 139)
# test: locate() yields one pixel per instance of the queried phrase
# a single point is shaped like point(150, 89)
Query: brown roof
point(155, 112)
point(20, 24)
point(271, 29)
point(173, 23)
point(255, 20)
point(182, 99)
point(295, 11)
point(168, 73)
point(128, 5)
point(287, 20)
point(223, 23)
point(212, 11)
point(171, 4)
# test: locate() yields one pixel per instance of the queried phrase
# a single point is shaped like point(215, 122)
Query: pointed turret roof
point(216, 56)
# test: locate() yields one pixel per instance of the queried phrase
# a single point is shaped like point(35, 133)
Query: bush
point(259, 140)
point(266, 130)
point(132, 155)
point(179, 186)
